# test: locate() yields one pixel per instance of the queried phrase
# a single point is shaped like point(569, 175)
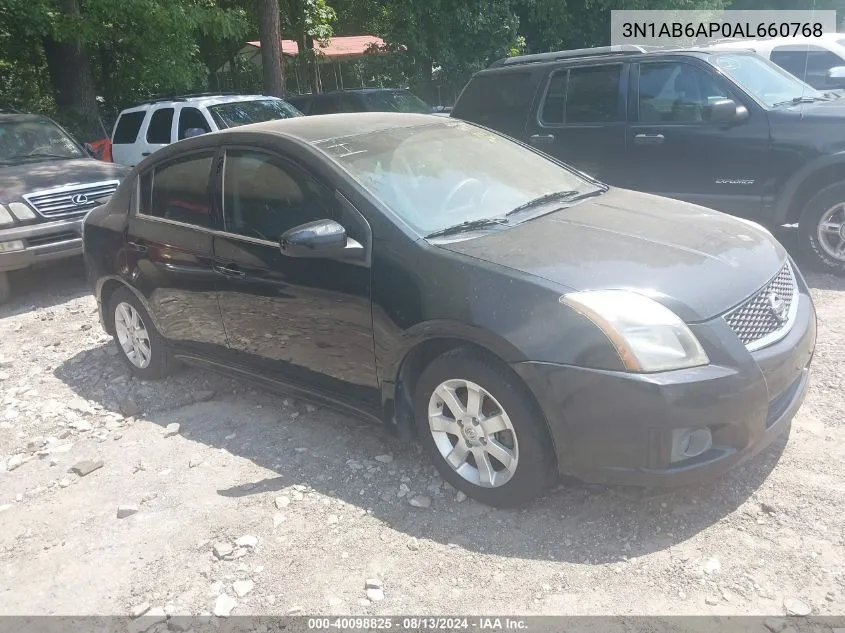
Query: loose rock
point(203, 395)
point(372, 583)
point(420, 501)
point(223, 605)
point(126, 511)
point(171, 429)
point(282, 502)
point(242, 587)
point(375, 595)
point(247, 540)
point(195, 461)
point(384, 459)
point(333, 519)
point(129, 407)
point(795, 606)
point(460, 496)
point(138, 610)
point(64, 482)
point(712, 566)
point(310, 408)
point(13, 462)
point(85, 467)
point(222, 550)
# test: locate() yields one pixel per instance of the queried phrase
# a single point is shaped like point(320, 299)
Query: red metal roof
point(337, 47)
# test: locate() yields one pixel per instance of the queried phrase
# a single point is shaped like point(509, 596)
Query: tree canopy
point(84, 60)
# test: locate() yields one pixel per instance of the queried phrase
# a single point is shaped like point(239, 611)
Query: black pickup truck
point(724, 129)
point(48, 182)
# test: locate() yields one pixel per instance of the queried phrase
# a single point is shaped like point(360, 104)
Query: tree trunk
point(73, 81)
point(271, 48)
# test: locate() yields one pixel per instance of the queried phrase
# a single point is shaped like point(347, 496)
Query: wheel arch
point(106, 288)
point(805, 183)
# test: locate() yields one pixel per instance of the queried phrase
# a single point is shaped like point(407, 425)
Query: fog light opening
point(8, 247)
point(689, 443)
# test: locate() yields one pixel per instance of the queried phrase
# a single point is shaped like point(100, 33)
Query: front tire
point(483, 429)
point(822, 229)
point(138, 342)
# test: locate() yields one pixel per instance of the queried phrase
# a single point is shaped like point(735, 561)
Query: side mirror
point(836, 77)
point(727, 111)
point(194, 131)
point(313, 239)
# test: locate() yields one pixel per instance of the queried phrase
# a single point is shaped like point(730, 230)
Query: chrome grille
point(756, 322)
point(69, 200)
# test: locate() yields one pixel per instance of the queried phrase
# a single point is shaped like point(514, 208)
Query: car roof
point(197, 101)
point(822, 40)
point(321, 127)
point(347, 91)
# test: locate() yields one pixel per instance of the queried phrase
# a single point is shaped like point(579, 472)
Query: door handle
point(229, 270)
point(649, 139)
point(145, 153)
point(138, 248)
point(541, 139)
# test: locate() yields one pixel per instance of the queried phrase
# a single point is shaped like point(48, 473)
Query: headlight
point(647, 335)
point(5, 216)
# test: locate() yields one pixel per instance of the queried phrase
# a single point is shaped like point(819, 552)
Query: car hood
point(16, 180)
point(696, 261)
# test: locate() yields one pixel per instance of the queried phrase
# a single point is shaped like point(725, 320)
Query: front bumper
point(616, 427)
point(43, 242)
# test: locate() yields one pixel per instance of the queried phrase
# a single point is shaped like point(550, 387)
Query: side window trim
point(220, 184)
point(621, 95)
point(215, 152)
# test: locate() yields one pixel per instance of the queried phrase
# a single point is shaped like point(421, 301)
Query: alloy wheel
point(831, 231)
point(473, 433)
point(132, 335)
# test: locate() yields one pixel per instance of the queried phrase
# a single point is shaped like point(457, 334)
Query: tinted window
point(191, 118)
point(791, 60)
point(352, 103)
point(676, 93)
point(500, 101)
point(555, 101)
point(160, 124)
point(180, 191)
point(264, 196)
point(395, 101)
point(592, 95)
point(324, 104)
point(127, 128)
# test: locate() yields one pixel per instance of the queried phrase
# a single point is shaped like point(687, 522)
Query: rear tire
point(822, 229)
point(139, 344)
point(5, 288)
point(483, 430)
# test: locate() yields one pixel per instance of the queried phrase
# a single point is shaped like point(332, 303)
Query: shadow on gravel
point(333, 454)
point(45, 287)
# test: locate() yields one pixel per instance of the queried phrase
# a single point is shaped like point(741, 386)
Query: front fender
point(793, 184)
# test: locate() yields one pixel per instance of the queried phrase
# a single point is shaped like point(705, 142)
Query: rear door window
point(178, 190)
point(161, 123)
point(127, 128)
point(593, 96)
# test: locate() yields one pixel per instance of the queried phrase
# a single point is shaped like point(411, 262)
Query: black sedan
point(520, 318)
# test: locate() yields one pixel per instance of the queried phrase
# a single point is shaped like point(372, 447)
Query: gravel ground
point(209, 496)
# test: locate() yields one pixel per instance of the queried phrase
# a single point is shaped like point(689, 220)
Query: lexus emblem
point(79, 199)
point(777, 306)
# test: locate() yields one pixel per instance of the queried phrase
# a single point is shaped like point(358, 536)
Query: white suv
point(818, 61)
point(141, 130)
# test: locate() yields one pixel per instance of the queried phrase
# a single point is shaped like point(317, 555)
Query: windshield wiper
point(563, 196)
point(797, 100)
point(469, 225)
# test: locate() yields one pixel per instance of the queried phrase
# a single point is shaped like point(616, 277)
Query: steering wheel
point(466, 182)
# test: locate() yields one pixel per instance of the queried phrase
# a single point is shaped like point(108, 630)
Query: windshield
point(33, 140)
point(763, 79)
point(438, 175)
point(246, 112)
point(396, 101)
